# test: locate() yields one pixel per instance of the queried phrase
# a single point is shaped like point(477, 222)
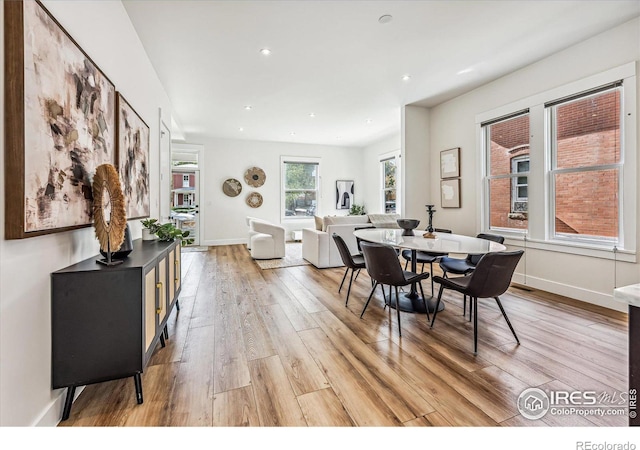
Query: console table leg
point(71, 392)
point(162, 343)
point(138, 381)
point(178, 305)
point(166, 332)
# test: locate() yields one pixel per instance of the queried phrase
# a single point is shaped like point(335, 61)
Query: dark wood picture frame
point(132, 137)
point(55, 134)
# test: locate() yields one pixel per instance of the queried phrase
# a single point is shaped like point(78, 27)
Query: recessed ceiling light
point(369, 120)
point(406, 77)
point(248, 107)
point(312, 115)
point(385, 19)
point(292, 133)
point(265, 51)
point(240, 129)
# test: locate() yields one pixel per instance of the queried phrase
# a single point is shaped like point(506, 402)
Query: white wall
point(416, 165)
point(223, 218)
point(452, 124)
point(371, 156)
point(26, 397)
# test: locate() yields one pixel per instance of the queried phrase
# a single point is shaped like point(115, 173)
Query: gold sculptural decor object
point(255, 177)
point(109, 214)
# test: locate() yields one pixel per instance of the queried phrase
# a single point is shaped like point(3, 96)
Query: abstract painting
point(450, 193)
point(133, 159)
point(344, 194)
point(60, 111)
point(450, 163)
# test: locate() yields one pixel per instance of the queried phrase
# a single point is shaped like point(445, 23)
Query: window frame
point(284, 160)
point(551, 151)
point(487, 177)
point(515, 185)
point(538, 235)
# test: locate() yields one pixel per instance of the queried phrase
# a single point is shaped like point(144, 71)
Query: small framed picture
point(450, 193)
point(344, 194)
point(450, 163)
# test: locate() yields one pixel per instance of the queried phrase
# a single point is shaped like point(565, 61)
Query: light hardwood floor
point(278, 347)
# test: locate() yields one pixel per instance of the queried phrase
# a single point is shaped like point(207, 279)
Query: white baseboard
point(52, 416)
point(584, 295)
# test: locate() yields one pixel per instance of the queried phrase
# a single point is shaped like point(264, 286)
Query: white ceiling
point(334, 59)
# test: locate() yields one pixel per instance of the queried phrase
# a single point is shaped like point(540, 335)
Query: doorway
point(185, 198)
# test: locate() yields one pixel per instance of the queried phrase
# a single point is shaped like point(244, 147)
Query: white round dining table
point(442, 244)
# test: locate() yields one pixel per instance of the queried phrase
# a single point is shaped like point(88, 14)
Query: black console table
point(106, 321)
point(631, 296)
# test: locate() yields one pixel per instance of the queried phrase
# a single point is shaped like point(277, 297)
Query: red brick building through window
point(585, 138)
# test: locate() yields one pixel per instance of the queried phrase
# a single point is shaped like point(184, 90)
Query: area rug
point(195, 249)
point(293, 257)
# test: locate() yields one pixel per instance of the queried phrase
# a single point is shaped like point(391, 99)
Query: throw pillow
point(384, 220)
point(318, 220)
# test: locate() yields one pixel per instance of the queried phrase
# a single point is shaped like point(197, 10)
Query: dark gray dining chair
point(423, 257)
point(490, 278)
point(459, 266)
point(384, 267)
point(354, 263)
point(464, 266)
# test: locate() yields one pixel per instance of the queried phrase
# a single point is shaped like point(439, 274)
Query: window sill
point(574, 248)
point(518, 216)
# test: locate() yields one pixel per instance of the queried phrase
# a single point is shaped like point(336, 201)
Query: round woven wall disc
point(255, 177)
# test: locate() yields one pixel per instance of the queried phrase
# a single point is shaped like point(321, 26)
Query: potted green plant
point(357, 210)
point(150, 228)
point(169, 232)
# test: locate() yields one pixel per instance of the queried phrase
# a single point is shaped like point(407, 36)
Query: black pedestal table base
point(412, 303)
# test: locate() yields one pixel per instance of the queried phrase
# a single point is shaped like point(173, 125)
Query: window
point(560, 167)
point(507, 144)
point(519, 184)
point(586, 160)
point(301, 185)
point(390, 172)
point(185, 180)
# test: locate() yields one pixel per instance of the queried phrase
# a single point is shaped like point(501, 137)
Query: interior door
point(185, 198)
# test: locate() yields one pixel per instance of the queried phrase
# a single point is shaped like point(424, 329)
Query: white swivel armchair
point(252, 232)
point(268, 240)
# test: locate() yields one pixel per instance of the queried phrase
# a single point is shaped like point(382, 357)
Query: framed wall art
point(59, 124)
point(133, 159)
point(450, 193)
point(344, 194)
point(450, 163)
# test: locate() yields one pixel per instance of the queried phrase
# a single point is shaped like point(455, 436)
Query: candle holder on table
point(429, 234)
